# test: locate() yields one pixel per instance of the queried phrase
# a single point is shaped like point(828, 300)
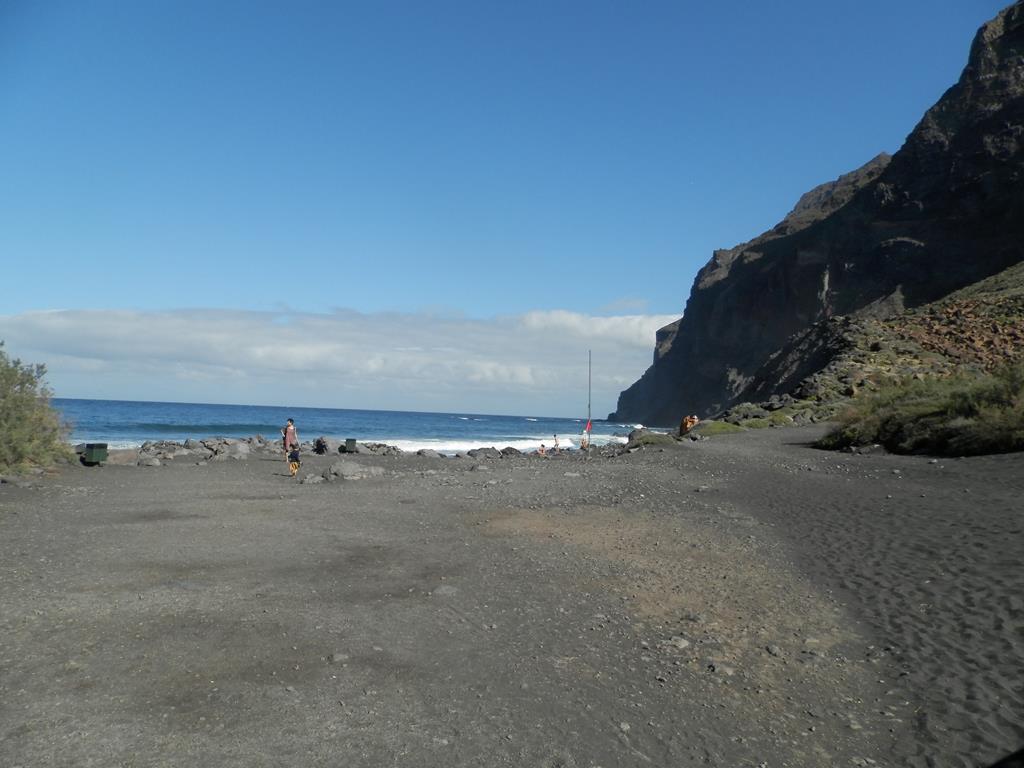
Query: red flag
point(587, 428)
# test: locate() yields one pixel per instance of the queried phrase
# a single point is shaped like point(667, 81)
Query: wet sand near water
point(741, 601)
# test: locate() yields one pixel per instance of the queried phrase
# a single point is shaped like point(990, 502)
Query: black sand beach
point(740, 601)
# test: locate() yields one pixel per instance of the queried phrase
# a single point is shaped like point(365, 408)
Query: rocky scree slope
point(976, 329)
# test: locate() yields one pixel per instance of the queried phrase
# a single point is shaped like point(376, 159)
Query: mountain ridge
point(945, 211)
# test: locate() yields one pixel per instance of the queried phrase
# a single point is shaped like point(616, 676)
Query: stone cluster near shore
point(219, 449)
point(156, 453)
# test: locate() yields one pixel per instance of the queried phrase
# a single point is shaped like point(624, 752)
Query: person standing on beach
point(289, 436)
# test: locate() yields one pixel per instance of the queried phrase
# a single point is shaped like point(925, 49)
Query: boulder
point(378, 449)
point(160, 449)
point(122, 457)
point(351, 470)
point(641, 437)
point(484, 453)
point(234, 449)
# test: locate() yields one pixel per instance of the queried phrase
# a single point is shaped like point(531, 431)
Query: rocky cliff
point(946, 211)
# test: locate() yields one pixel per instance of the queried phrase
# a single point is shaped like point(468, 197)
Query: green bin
point(94, 453)
point(350, 445)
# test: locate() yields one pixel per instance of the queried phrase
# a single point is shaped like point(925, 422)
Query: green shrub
point(31, 433)
point(755, 423)
point(780, 419)
point(712, 428)
point(646, 437)
point(959, 416)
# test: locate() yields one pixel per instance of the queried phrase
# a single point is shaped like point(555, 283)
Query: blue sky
point(401, 164)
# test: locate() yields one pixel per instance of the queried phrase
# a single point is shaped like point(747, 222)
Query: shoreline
point(733, 601)
point(451, 448)
point(446, 445)
point(129, 424)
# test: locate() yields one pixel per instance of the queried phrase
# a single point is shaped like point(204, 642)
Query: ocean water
point(123, 424)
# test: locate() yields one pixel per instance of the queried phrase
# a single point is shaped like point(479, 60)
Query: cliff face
point(945, 211)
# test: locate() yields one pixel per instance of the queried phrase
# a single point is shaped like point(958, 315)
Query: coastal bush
point(780, 419)
point(712, 428)
point(31, 433)
point(957, 416)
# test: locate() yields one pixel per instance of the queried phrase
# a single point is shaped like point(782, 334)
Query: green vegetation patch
point(743, 411)
point(780, 419)
point(647, 437)
point(712, 428)
point(957, 416)
point(755, 423)
point(31, 433)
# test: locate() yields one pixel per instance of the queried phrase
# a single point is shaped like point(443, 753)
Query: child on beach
point(293, 459)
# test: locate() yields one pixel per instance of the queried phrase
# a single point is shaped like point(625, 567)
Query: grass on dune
point(957, 416)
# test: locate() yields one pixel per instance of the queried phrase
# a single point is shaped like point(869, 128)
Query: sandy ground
point(741, 601)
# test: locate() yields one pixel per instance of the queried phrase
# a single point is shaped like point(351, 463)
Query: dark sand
point(742, 601)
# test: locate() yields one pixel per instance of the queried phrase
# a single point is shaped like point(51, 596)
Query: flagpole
point(590, 362)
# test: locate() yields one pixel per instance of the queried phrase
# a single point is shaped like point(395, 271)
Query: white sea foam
point(527, 445)
point(447, 446)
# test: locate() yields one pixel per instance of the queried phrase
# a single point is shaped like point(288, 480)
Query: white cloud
point(627, 329)
point(530, 363)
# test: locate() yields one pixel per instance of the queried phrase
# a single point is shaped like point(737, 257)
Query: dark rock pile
point(214, 449)
point(154, 453)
